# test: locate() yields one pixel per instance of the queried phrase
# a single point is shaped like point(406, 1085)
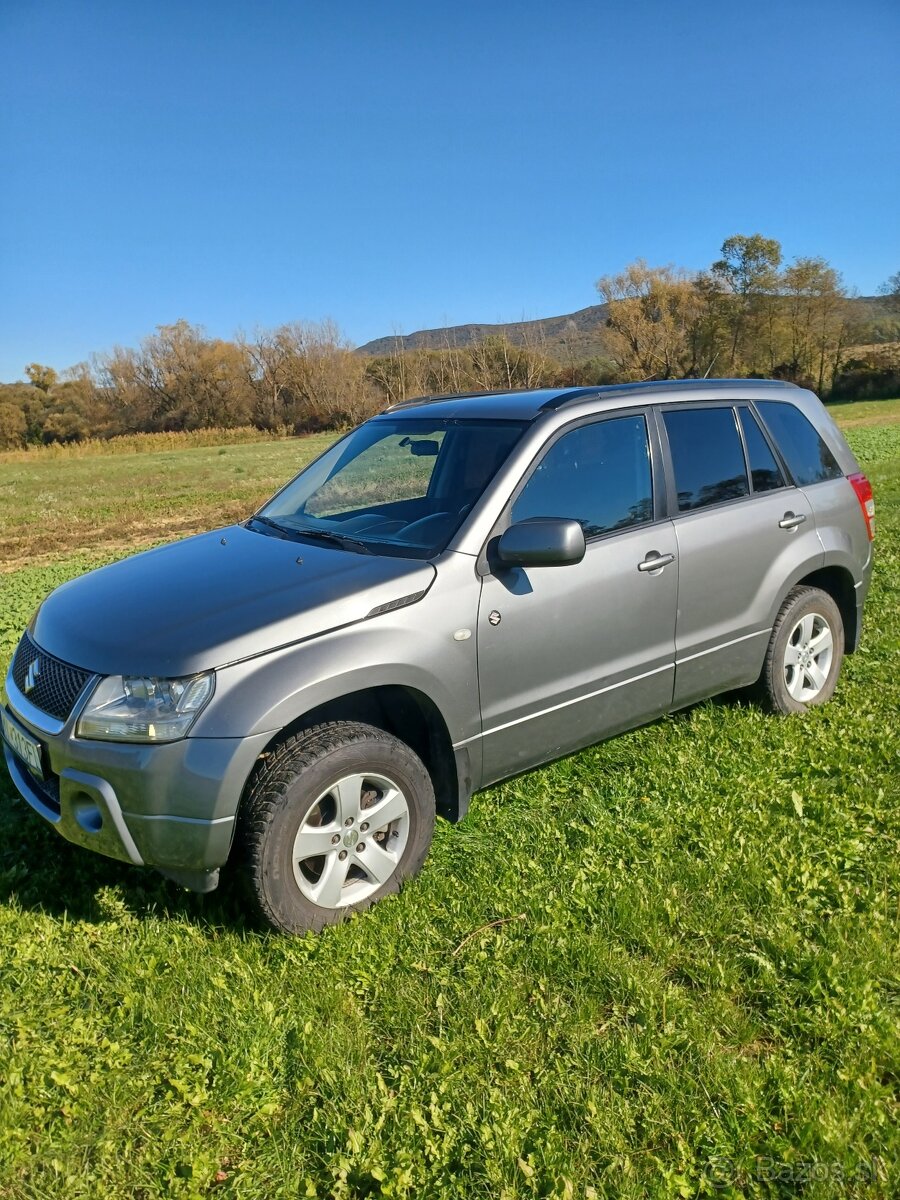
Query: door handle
point(655, 561)
point(791, 520)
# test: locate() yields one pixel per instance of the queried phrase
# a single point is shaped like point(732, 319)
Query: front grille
point(55, 685)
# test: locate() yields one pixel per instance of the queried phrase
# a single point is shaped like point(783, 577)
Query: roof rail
point(566, 393)
point(659, 385)
point(437, 397)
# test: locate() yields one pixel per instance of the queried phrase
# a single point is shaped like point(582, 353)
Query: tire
point(805, 652)
point(314, 793)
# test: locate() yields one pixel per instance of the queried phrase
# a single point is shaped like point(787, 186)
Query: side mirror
point(542, 542)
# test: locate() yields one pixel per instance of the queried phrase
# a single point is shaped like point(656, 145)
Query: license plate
point(26, 747)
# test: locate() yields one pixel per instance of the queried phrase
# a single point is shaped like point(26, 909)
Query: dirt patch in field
point(26, 549)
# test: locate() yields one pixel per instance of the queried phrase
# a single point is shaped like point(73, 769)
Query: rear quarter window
point(707, 456)
point(804, 451)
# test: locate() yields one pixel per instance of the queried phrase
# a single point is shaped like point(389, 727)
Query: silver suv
point(460, 589)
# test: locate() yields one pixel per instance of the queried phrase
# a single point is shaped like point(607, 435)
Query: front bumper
point(171, 806)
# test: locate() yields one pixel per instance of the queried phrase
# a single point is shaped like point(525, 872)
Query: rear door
point(743, 531)
point(570, 654)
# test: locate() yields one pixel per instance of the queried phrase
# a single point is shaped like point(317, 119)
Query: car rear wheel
point(805, 652)
point(337, 817)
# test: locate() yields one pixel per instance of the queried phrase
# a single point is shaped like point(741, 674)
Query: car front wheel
point(335, 818)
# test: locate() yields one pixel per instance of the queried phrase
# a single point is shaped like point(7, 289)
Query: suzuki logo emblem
point(32, 676)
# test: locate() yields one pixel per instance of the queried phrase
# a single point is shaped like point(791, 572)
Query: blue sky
point(397, 166)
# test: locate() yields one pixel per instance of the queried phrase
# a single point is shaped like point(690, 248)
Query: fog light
point(88, 815)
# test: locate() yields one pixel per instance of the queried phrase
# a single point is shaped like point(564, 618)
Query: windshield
point(393, 486)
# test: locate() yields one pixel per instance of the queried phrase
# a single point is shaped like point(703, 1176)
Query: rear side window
point(764, 470)
point(707, 456)
point(598, 475)
point(806, 454)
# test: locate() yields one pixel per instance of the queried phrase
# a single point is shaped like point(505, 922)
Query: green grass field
point(56, 503)
point(666, 966)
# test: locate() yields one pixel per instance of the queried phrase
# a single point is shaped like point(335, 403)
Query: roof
point(528, 404)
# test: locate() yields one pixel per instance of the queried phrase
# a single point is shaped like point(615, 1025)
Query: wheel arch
point(409, 715)
point(837, 582)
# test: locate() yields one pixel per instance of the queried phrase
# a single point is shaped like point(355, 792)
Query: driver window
point(597, 474)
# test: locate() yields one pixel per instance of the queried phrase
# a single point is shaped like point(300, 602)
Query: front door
point(568, 655)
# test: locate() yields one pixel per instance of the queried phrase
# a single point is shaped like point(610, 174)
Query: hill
point(576, 336)
point(572, 336)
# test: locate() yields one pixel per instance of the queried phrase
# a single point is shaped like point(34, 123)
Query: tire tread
point(266, 795)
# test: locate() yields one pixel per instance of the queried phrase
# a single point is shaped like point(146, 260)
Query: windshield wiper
point(324, 535)
point(338, 539)
point(281, 530)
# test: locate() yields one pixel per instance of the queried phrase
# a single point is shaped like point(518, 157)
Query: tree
point(709, 336)
point(748, 272)
point(13, 425)
point(652, 312)
point(402, 374)
point(497, 363)
point(43, 378)
point(76, 407)
point(328, 379)
point(179, 379)
point(815, 319)
point(35, 405)
point(891, 290)
point(268, 358)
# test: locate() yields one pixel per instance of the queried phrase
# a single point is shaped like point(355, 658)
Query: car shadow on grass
point(42, 872)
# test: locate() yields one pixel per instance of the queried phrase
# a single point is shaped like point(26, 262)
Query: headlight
point(144, 709)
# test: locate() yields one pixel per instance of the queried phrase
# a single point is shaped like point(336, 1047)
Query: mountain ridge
point(570, 337)
point(579, 334)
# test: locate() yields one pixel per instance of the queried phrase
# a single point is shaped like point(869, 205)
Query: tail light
point(863, 490)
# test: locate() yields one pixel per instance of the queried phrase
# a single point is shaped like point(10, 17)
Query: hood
point(213, 599)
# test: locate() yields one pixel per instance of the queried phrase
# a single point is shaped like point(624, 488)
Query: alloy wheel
point(808, 657)
point(351, 841)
